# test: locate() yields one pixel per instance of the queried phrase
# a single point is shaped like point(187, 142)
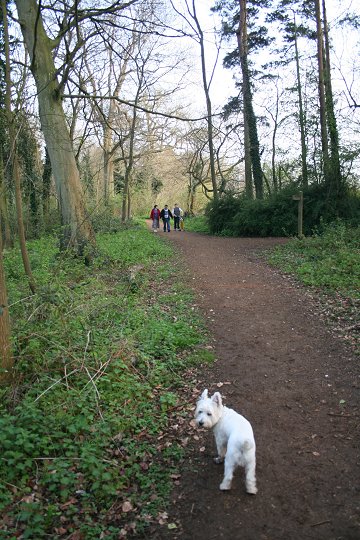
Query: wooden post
point(300, 199)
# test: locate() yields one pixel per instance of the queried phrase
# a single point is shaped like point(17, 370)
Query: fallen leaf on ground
point(127, 506)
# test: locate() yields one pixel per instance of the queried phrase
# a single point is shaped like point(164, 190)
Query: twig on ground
point(55, 383)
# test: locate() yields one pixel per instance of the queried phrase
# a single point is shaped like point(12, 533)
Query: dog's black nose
point(201, 423)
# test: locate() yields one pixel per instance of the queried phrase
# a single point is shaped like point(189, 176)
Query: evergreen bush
point(276, 215)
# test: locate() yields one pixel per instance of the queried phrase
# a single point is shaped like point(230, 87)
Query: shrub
point(276, 215)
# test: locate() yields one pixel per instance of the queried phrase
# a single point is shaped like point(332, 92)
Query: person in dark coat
point(166, 215)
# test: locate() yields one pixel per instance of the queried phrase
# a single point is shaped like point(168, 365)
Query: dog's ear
point(204, 395)
point(216, 398)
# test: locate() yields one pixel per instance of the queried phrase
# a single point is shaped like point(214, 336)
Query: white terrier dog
point(234, 439)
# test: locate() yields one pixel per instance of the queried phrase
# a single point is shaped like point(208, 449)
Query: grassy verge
point(102, 353)
point(330, 264)
point(197, 224)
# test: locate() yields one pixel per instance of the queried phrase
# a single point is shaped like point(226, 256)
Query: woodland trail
point(281, 368)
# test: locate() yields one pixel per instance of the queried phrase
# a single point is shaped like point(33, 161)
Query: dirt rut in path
point(297, 385)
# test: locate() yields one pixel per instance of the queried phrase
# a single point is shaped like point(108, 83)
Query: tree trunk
point(6, 356)
point(4, 215)
point(336, 182)
point(108, 173)
point(129, 163)
point(320, 58)
point(77, 230)
point(248, 173)
point(14, 157)
point(46, 184)
point(302, 121)
point(248, 106)
point(128, 215)
point(20, 220)
point(208, 107)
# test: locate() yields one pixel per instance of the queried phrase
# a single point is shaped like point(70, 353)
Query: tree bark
point(4, 214)
point(7, 361)
point(250, 117)
point(302, 121)
point(247, 162)
point(129, 163)
point(46, 184)
point(335, 179)
point(321, 86)
point(77, 230)
point(208, 106)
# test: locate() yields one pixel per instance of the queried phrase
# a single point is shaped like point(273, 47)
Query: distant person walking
point(166, 215)
point(155, 216)
point(177, 215)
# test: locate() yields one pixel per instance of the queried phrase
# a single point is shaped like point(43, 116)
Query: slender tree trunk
point(108, 168)
point(320, 57)
point(46, 185)
point(336, 185)
point(248, 106)
point(4, 214)
point(248, 173)
point(248, 169)
point(130, 161)
point(34, 205)
point(20, 220)
point(77, 230)
point(128, 214)
point(208, 107)
point(6, 357)
point(273, 143)
point(190, 194)
point(14, 156)
point(302, 120)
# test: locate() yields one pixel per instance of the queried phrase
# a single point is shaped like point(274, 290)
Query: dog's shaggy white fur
point(234, 439)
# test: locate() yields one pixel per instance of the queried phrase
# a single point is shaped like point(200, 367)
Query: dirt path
point(297, 385)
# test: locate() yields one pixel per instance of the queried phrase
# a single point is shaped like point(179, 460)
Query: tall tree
point(302, 118)
point(334, 178)
point(14, 158)
point(249, 114)
point(321, 88)
point(296, 18)
point(105, 112)
point(197, 33)
point(4, 214)
point(239, 17)
point(77, 231)
point(6, 356)
point(206, 87)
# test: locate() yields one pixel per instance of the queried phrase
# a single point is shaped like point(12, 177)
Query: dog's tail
point(247, 445)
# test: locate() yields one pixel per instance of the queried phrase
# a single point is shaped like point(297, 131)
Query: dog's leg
point(229, 468)
point(221, 450)
point(250, 478)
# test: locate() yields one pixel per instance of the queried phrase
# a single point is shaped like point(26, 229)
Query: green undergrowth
point(330, 260)
point(197, 224)
point(329, 265)
point(101, 356)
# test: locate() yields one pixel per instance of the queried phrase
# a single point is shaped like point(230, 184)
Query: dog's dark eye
point(200, 412)
point(209, 414)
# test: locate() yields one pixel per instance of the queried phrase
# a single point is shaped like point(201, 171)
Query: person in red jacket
point(155, 216)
